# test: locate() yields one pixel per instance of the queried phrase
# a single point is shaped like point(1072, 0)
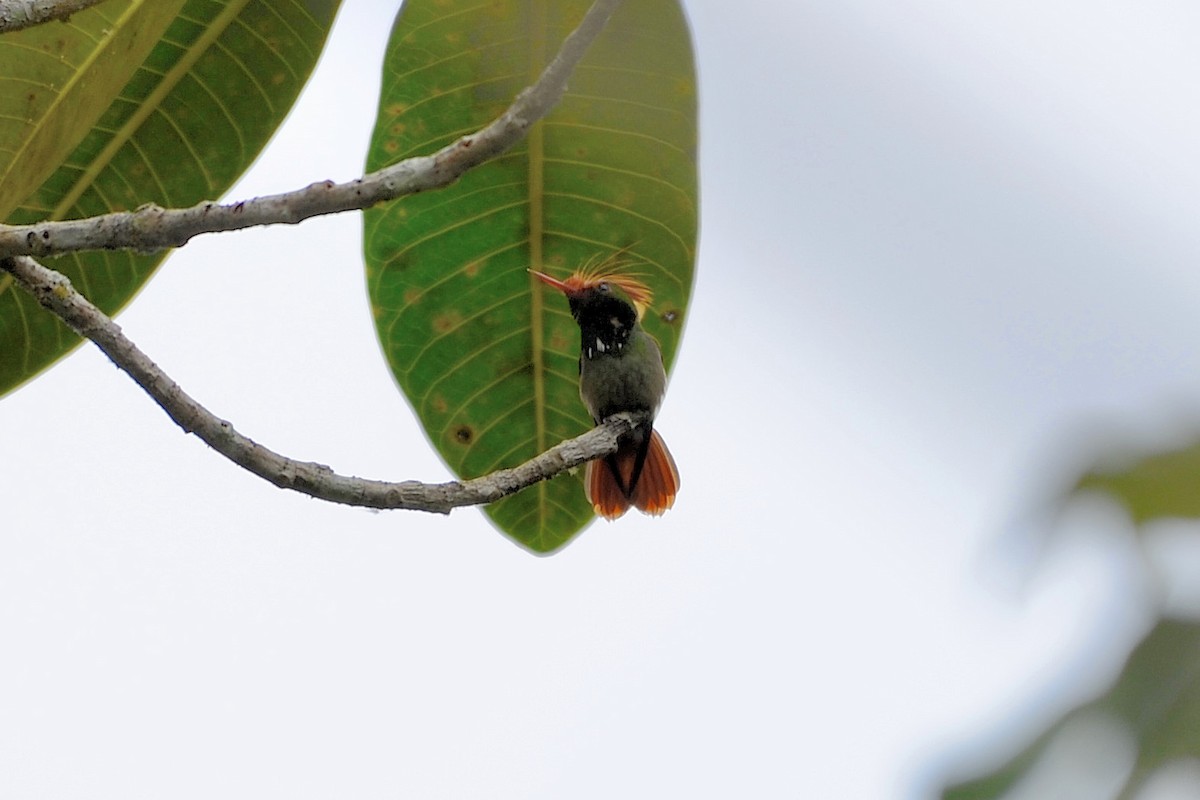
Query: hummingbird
point(620, 371)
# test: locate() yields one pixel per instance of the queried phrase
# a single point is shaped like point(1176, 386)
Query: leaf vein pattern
point(435, 143)
point(479, 392)
point(456, 327)
point(447, 229)
point(188, 145)
point(443, 202)
point(29, 82)
point(433, 97)
point(137, 147)
point(588, 66)
point(229, 117)
point(166, 84)
point(440, 19)
point(297, 34)
point(449, 373)
point(684, 193)
point(448, 276)
point(481, 434)
point(625, 101)
point(650, 221)
point(400, 77)
point(559, 123)
point(252, 75)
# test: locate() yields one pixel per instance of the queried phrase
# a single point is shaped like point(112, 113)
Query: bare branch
point(18, 14)
point(55, 292)
point(152, 228)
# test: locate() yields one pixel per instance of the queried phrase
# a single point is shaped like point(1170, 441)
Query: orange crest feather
point(611, 270)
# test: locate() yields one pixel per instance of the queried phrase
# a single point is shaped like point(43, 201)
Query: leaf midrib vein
point(212, 32)
point(77, 75)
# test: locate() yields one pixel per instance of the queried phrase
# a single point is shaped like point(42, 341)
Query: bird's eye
point(603, 286)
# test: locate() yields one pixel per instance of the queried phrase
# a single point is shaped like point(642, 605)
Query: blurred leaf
point(131, 103)
point(1164, 484)
point(1157, 698)
point(488, 363)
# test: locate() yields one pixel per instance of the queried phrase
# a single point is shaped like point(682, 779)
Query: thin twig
point(18, 14)
point(55, 292)
point(151, 228)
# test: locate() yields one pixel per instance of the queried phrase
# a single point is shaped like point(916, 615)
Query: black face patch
point(605, 322)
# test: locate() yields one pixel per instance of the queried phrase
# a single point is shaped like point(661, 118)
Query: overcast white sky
point(940, 240)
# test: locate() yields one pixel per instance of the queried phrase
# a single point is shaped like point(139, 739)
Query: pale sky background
point(941, 243)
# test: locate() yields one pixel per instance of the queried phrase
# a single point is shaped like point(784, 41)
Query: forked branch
point(152, 228)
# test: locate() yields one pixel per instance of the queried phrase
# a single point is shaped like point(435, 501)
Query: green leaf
point(146, 101)
point(59, 79)
point(489, 362)
point(1156, 699)
point(1156, 485)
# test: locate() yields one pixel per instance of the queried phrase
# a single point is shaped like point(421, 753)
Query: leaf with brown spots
point(488, 363)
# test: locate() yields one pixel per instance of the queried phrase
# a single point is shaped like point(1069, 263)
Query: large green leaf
point(1156, 701)
point(487, 360)
point(133, 102)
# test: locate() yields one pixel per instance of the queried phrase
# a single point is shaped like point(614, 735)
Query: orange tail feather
point(603, 491)
point(654, 491)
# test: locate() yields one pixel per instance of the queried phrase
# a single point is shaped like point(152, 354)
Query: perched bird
point(620, 370)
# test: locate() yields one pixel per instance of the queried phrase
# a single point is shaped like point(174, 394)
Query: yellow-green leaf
point(489, 362)
point(57, 79)
point(134, 102)
point(1154, 486)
